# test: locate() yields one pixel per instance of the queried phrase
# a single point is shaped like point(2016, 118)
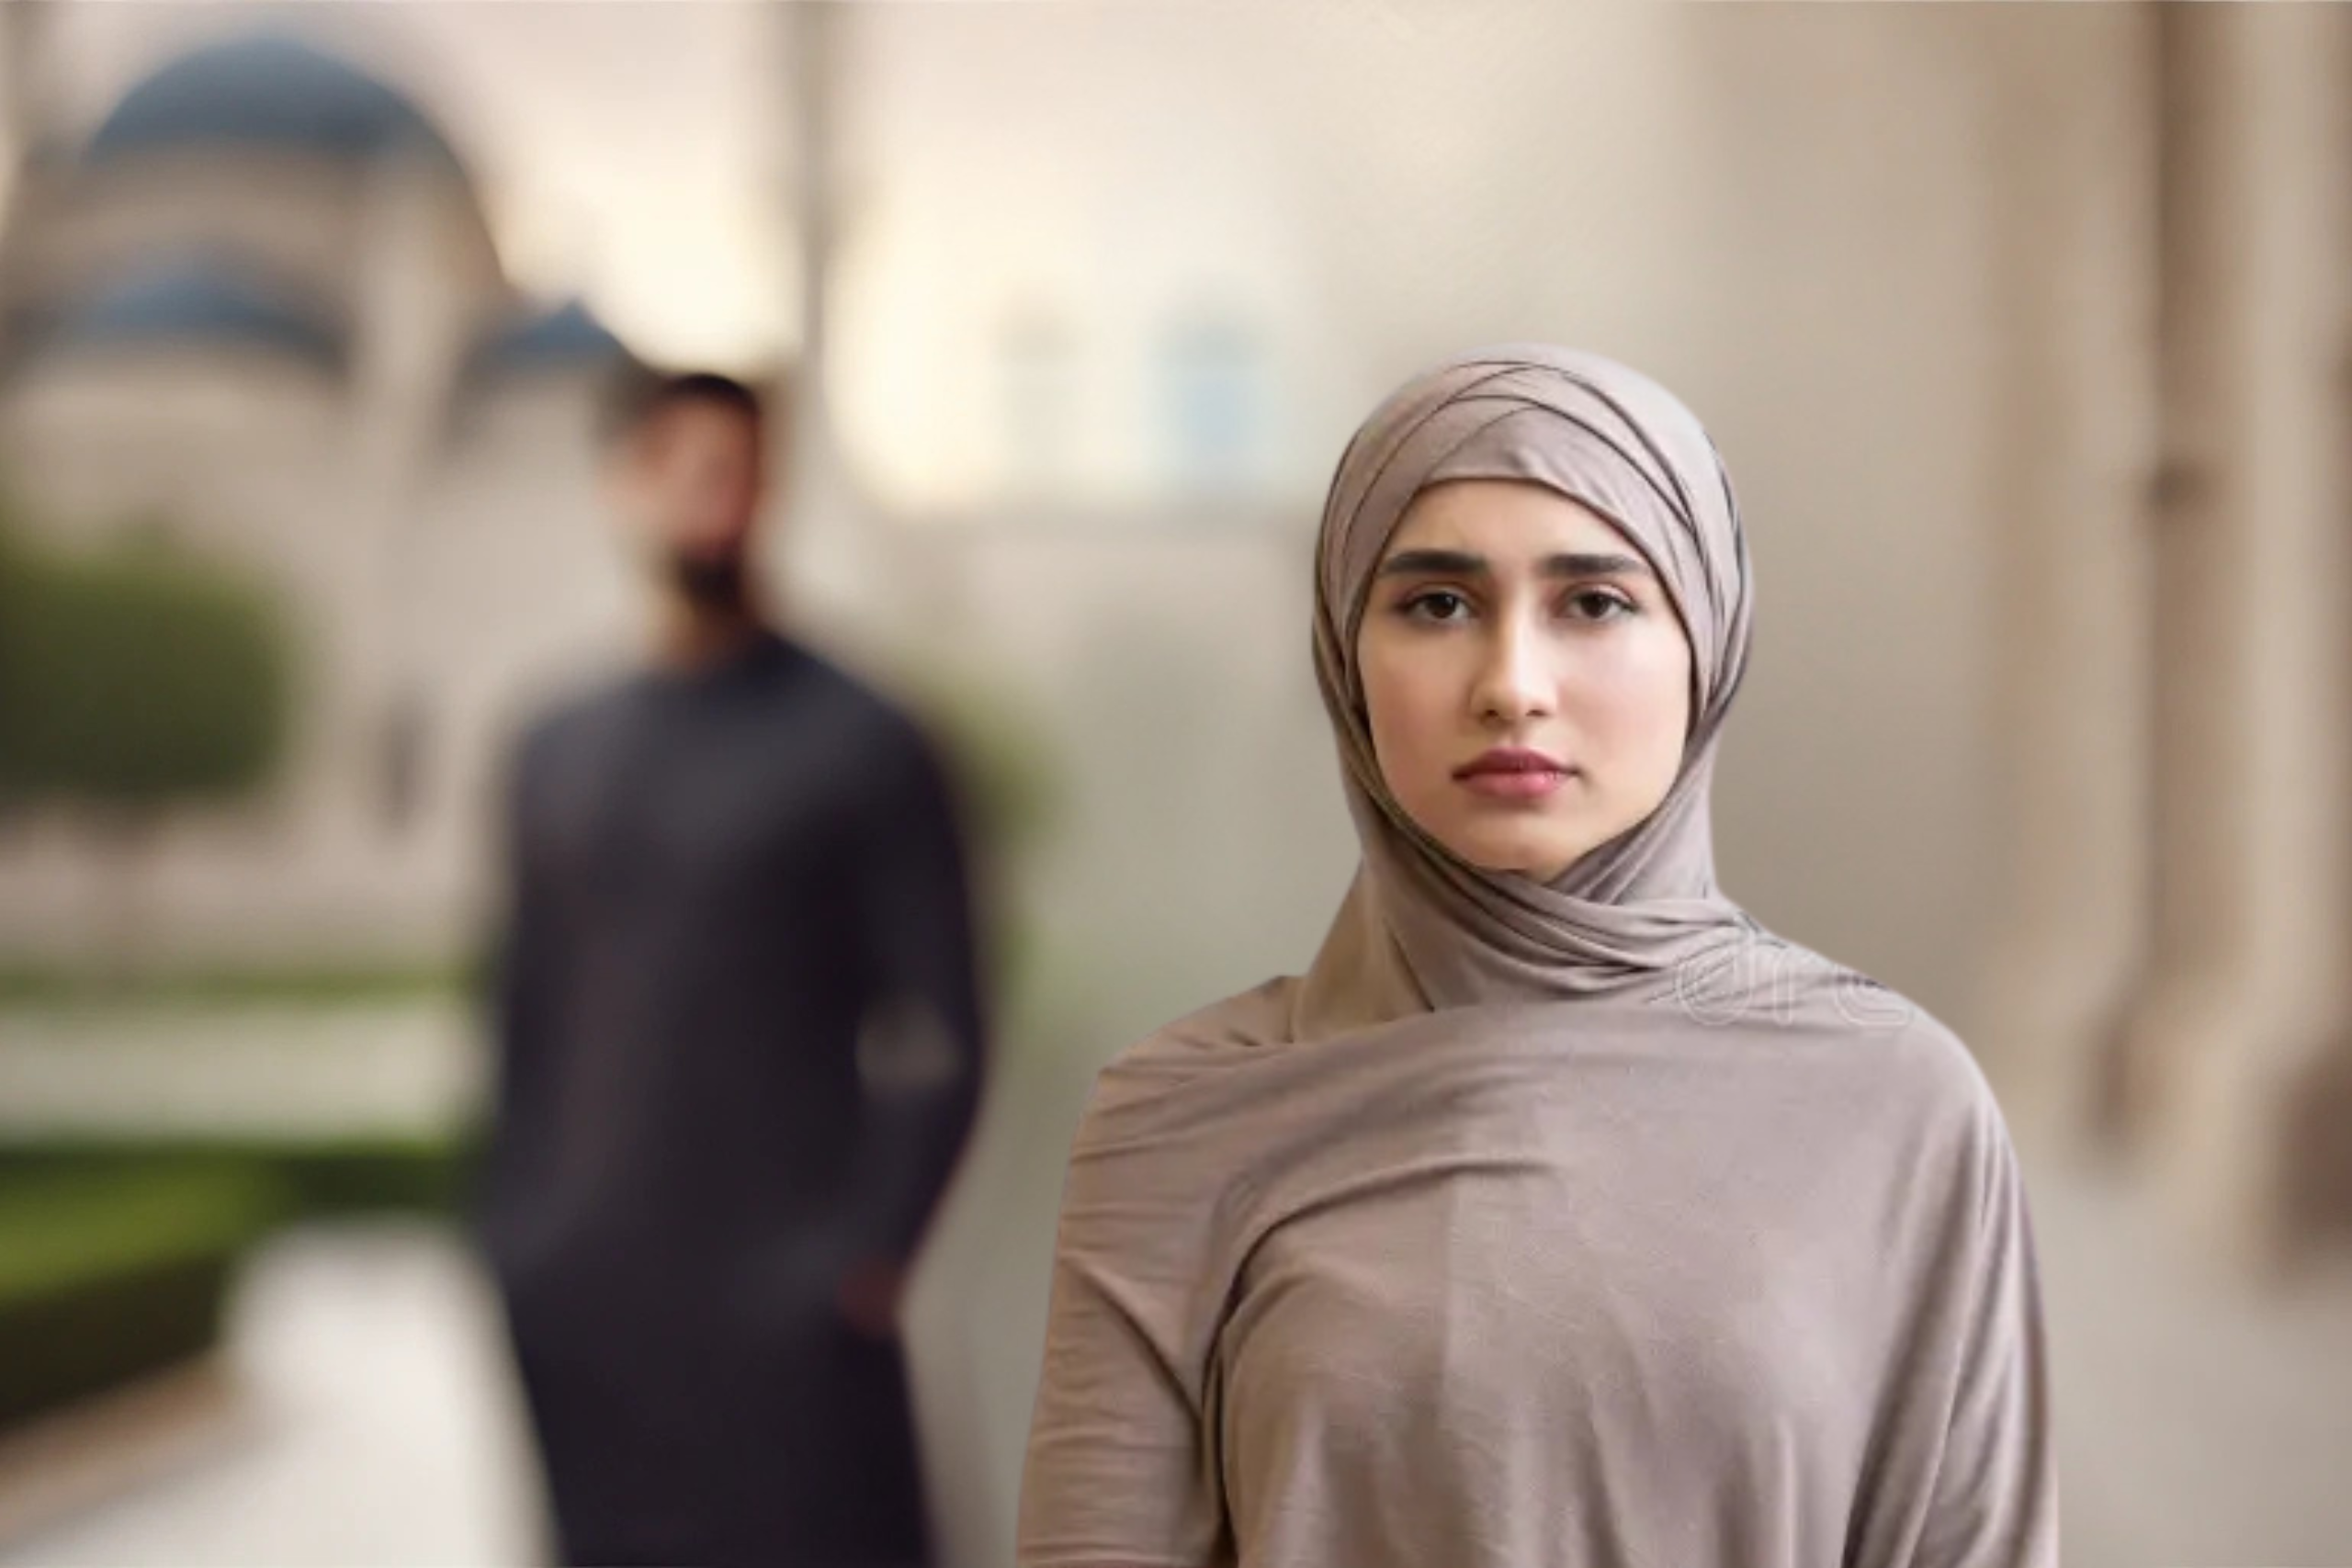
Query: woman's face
point(1527, 680)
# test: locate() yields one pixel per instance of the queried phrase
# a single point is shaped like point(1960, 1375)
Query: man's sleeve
point(517, 994)
point(926, 1020)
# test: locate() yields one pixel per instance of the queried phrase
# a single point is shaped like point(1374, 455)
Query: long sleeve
point(1995, 1502)
point(917, 929)
point(517, 997)
point(1117, 1473)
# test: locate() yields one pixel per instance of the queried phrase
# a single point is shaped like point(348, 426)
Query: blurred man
point(729, 870)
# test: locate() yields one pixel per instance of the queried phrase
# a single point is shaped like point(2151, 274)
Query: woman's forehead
point(1504, 520)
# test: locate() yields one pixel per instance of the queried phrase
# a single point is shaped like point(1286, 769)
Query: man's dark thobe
point(720, 880)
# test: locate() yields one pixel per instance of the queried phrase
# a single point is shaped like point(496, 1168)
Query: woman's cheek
point(1632, 700)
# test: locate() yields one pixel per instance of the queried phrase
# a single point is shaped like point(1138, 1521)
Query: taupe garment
point(1549, 1226)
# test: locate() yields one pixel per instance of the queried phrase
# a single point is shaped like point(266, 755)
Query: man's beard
point(709, 583)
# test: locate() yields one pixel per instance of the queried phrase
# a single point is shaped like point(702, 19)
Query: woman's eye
point(1599, 604)
point(1437, 605)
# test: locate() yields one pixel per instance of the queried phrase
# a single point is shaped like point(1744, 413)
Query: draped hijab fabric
point(1616, 442)
point(1575, 1225)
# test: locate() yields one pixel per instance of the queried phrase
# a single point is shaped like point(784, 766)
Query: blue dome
point(569, 334)
point(195, 301)
point(266, 90)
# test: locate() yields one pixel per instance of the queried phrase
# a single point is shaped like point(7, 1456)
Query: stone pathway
point(376, 1426)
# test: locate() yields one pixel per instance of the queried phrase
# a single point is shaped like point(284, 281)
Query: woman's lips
point(1512, 773)
point(1515, 786)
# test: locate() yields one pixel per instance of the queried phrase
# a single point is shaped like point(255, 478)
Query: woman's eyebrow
point(1434, 563)
point(1583, 564)
point(1461, 563)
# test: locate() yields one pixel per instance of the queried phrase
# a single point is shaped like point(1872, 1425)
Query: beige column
point(2245, 996)
point(2069, 110)
point(842, 572)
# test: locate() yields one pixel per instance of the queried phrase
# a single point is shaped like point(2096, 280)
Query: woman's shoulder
point(1226, 1030)
point(1930, 1089)
point(1911, 1056)
point(1943, 1077)
point(1204, 1044)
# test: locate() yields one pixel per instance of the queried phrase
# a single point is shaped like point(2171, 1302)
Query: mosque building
point(260, 310)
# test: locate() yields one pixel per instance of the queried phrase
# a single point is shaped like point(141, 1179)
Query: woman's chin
point(1538, 862)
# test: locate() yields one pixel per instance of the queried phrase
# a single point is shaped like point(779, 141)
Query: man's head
point(687, 472)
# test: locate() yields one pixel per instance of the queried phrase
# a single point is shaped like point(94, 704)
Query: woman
point(1560, 1214)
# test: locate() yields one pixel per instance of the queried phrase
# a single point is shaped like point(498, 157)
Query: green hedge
point(64, 985)
point(320, 1179)
point(116, 1258)
point(138, 676)
point(108, 1274)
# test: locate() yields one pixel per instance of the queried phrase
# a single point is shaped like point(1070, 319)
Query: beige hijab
point(1420, 928)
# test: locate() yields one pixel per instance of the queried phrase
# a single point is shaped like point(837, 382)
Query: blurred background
point(2023, 330)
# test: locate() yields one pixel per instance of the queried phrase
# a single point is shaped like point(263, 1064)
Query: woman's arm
point(1995, 1502)
point(1118, 1474)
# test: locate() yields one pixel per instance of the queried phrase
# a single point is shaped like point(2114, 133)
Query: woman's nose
point(1514, 674)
